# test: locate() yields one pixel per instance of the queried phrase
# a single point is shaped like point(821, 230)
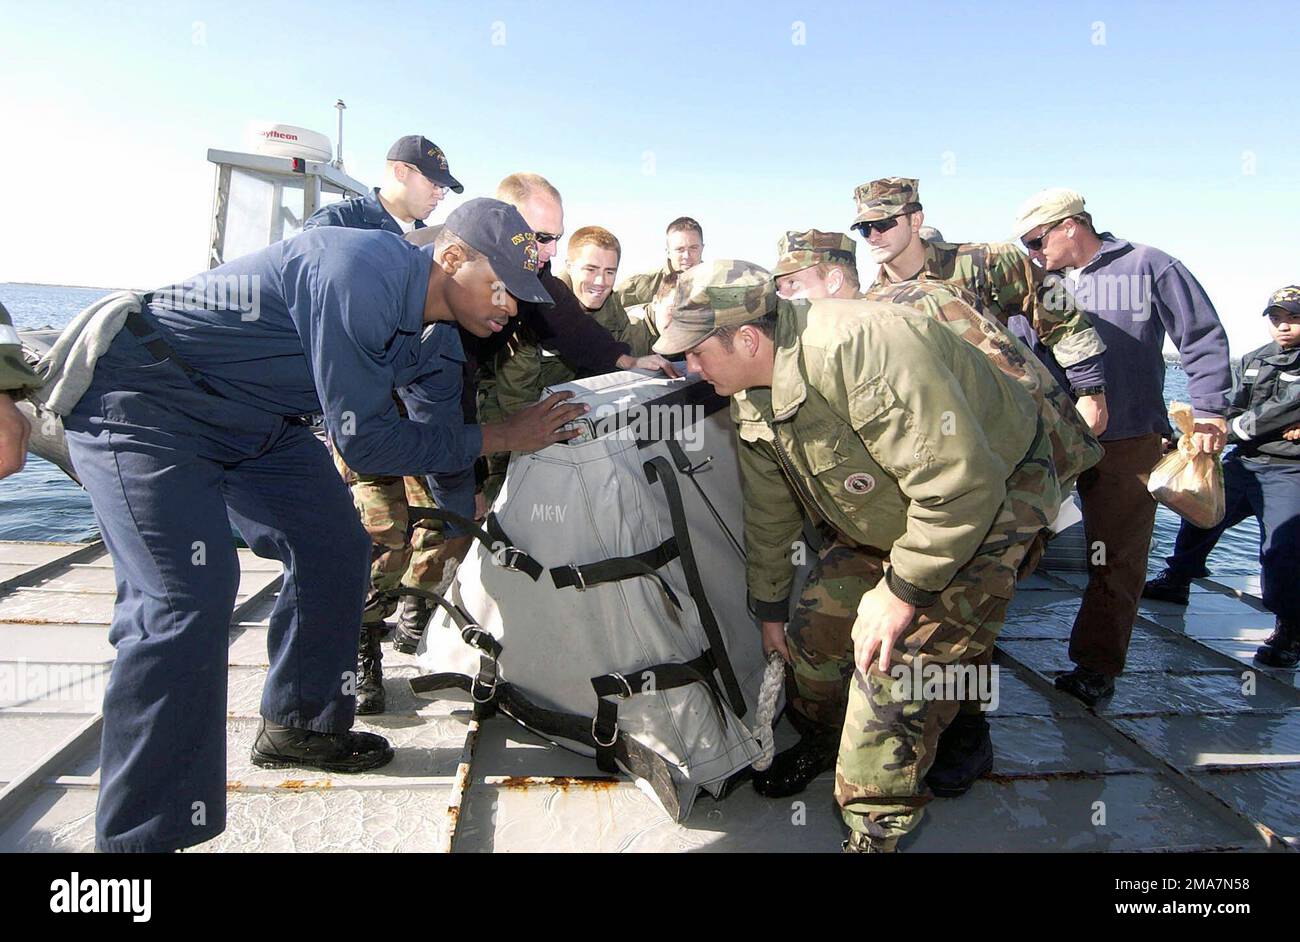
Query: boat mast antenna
point(338, 158)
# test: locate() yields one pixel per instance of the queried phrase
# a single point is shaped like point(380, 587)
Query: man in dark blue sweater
point(406, 553)
point(194, 419)
point(1137, 296)
point(416, 179)
point(1261, 478)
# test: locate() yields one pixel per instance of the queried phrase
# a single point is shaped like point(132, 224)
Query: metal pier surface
point(1198, 750)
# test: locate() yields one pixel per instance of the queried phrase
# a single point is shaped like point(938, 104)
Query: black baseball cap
point(1286, 299)
point(425, 156)
point(498, 231)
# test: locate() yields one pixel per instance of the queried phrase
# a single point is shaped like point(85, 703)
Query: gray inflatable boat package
point(604, 604)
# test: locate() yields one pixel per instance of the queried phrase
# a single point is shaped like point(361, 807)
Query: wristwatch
point(1089, 391)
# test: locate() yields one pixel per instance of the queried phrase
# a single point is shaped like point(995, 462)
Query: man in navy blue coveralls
point(174, 448)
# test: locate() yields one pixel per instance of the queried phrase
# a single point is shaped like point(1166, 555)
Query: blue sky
point(1177, 121)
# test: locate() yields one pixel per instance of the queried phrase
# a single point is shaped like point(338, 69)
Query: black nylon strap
point(604, 728)
point(457, 614)
point(621, 567)
point(150, 337)
point(484, 685)
point(626, 753)
point(658, 469)
point(684, 466)
point(432, 683)
point(490, 535)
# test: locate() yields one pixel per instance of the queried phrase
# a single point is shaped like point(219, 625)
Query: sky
point(1178, 122)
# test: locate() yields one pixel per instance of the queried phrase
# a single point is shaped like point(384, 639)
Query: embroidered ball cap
point(885, 198)
point(715, 294)
point(800, 250)
point(425, 156)
point(1046, 207)
point(498, 231)
point(1288, 299)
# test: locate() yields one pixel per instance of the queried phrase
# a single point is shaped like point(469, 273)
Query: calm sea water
point(42, 503)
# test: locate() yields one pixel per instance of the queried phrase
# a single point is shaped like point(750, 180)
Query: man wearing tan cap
point(816, 264)
point(932, 470)
point(1138, 295)
point(889, 219)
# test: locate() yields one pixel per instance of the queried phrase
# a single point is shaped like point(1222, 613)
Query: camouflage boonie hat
point(1288, 299)
point(712, 295)
point(800, 250)
point(881, 199)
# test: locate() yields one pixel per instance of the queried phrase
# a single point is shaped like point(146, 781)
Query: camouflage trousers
point(403, 552)
point(888, 738)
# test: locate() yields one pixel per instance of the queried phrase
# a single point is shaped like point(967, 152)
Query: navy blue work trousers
point(168, 468)
point(1269, 491)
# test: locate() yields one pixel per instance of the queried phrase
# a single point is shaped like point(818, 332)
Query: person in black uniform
point(1261, 478)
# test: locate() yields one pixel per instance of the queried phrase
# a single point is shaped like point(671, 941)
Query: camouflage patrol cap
point(716, 294)
point(1288, 299)
point(881, 199)
point(1048, 206)
point(800, 250)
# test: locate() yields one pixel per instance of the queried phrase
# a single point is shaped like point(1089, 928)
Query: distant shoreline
point(45, 284)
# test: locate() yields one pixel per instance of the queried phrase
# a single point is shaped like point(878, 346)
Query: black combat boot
point(411, 625)
point(791, 771)
point(1167, 587)
point(370, 673)
point(965, 753)
point(1282, 649)
point(280, 747)
point(1086, 685)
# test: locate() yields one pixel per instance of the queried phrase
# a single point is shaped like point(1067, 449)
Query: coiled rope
point(768, 694)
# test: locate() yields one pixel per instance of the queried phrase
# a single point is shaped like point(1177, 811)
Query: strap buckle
point(578, 582)
point(491, 689)
point(626, 686)
point(596, 739)
point(508, 557)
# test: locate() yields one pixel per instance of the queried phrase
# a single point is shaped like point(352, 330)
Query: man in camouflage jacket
point(642, 294)
point(930, 468)
point(1010, 289)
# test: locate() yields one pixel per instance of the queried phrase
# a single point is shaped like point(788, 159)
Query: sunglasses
point(1035, 245)
point(876, 225)
point(546, 238)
